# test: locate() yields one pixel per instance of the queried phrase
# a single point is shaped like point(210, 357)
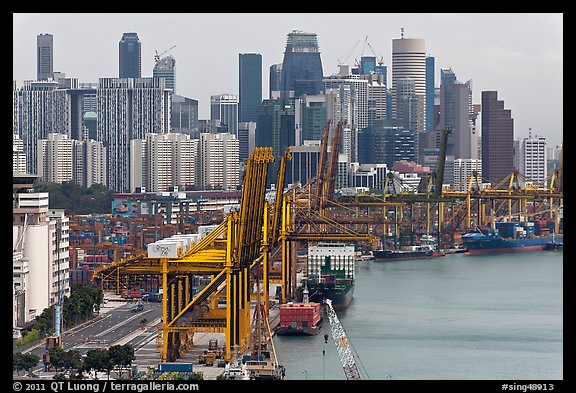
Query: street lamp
point(305, 372)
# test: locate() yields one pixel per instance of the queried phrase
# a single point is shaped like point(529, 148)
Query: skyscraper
point(250, 85)
point(302, 67)
point(130, 56)
point(224, 107)
point(430, 85)
point(497, 138)
point(166, 68)
point(45, 57)
point(409, 61)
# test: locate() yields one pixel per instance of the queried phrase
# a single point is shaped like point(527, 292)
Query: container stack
point(297, 315)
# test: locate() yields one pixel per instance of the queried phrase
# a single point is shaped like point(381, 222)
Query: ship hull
point(299, 330)
point(402, 255)
point(341, 297)
point(496, 244)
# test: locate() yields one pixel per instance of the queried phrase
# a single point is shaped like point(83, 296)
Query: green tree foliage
point(75, 199)
point(121, 356)
point(24, 361)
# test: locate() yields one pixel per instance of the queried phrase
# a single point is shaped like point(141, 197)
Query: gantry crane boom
point(339, 335)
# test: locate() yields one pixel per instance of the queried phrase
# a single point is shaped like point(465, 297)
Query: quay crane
point(342, 344)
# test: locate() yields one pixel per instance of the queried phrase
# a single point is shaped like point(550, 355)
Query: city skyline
point(525, 49)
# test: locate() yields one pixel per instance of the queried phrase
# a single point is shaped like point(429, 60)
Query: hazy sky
point(519, 55)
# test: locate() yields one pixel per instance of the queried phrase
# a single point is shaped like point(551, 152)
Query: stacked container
point(300, 314)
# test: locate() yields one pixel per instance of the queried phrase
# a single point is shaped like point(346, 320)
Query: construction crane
point(157, 56)
point(342, 344)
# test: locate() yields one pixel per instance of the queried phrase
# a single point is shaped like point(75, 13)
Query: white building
point(18, 155)
point(224, 107)
point(347, 99)
point(533, 159)
point(409, 61)
point(219, 166)
point(40, 245)
point(463, 169)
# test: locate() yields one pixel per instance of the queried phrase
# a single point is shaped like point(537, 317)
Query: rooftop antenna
point(401, 32)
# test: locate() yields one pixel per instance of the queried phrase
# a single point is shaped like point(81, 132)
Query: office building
point(310, 118)
point(45, 57)
point(166, 68)
point(497, 138)
point(130, 56)
point(250, 85)
point(246, 139)
point(409, 61)
point(301, 67)
point(184, 116)
point(430, 87)
point(275, 128)
point(224, 108)
point(534, 160)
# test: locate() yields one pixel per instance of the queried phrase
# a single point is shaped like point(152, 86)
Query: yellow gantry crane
point(227, 254)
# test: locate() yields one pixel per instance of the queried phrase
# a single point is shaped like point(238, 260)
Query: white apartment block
point(533, 160)
point(18, 155)
point(55, 158)
point(463, 169)
point(40, 244)
point(219, 166)
point(61, 159)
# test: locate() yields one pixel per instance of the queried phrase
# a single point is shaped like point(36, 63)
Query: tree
point(121, 356)
point(96, 359)
point(24, 361)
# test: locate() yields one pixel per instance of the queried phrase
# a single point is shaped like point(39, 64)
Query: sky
point(520, 55)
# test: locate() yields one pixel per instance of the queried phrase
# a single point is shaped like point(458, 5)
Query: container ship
point(331, 268)
point(300, 319)
point(426, 249)
point(509, 237)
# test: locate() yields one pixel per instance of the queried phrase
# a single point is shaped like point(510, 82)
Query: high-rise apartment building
point(497, 138)
point(129, 108)
point(409, 61)
point(302, 66)
point(45, 57)
point(56, 158)
point(224, 107)
point(250, 85)
point(40, 264)
point(166, 68)
point(130, 56)
point(219, 166)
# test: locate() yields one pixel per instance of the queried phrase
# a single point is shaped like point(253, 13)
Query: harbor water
point(457, 317)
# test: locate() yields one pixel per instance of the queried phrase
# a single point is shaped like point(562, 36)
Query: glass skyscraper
point(302, 67)
point(250, 85)
point(130, 56)
point(45, 57)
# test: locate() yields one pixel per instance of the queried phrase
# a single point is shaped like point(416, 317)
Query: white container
point(164, 249)
point(204, 230)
